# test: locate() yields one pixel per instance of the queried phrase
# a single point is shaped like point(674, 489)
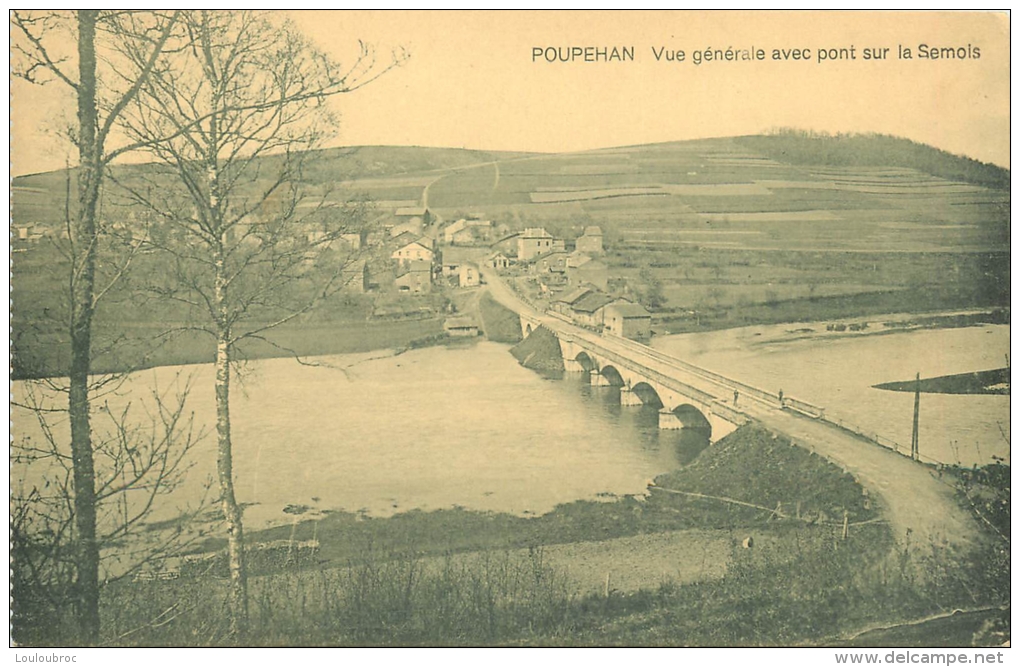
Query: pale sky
point(471, 81)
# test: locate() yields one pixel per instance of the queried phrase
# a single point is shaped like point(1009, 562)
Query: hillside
point(39, 198)
point(876, 150)
point(786, 190)
point(784, 227)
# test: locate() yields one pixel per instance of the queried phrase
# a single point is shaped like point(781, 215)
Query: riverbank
point(142, 345)
point(744, 546)
point(751, 551)
point(918, 303)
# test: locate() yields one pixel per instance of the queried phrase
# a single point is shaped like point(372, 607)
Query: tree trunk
point(225, 460)
point(231, 510)
point(83, 236)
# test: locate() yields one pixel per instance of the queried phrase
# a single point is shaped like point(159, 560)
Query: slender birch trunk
point(83, 267)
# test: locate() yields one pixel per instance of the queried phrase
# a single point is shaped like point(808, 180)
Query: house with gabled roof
point(535, 241)
point(591, 241)
point(413, 251)
point(627, 320)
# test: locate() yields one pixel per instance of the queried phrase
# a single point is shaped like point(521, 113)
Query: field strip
point(822, 215)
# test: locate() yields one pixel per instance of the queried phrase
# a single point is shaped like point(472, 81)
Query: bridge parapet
point(804, 408)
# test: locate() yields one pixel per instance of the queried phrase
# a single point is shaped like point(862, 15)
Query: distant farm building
point(469, 276)
point(416, 215)
point(591, 241)
point(564, 303)
point(498, 261)
point(453, 258)
point(583, 269)
point(627, 320)
point(460, 326)
point(414, 277)
point(467, 232)
point(535, 241)
point(412, 226)
point(550, 262)
point(415, 251)
point(588, 309)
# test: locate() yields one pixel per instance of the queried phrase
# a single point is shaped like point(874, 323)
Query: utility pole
point(914, 453)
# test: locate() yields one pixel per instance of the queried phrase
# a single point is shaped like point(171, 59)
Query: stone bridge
point(680, 405)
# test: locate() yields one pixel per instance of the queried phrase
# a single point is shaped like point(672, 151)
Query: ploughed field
point(806, 227)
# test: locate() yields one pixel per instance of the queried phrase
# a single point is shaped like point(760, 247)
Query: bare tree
point(244, 243)
point(138, 462)
point(40, 57)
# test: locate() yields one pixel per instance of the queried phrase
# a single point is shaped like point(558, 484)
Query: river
point(837, 371)
point(431, 428)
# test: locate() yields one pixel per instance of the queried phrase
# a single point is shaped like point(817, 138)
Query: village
point(424, 254)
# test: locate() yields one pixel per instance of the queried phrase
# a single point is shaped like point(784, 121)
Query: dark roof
point(589, 303)
point(459, 323)
point(574, 295)
point(630, 310)
point(546, 255)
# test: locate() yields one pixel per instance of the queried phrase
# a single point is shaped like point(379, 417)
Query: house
point(460, 326)
point(467, 231)
point(588, 309)
point(583, 269)
point(418, 215)
point(498, 261)
point(535, 241)
point(591, 241)
point(453, 258)
point(414, 277)
point(563, 304)
point(627, 320)
point(412, 226)
point(415, 251)
point(550, 262)
point(469, 276)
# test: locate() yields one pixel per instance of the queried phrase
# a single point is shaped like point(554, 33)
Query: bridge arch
point(612, 375)
point(647, 394)
point(693, 418)
point(586, 361)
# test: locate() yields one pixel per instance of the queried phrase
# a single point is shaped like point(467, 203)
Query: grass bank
point(459, 577)
point(821, 309)
point(501, 324)
point(980, 382)
point(140, 345)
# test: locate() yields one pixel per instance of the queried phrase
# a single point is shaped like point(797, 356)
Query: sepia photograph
point(414, 328)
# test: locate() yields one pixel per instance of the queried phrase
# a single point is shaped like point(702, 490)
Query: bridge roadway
point(920, 504)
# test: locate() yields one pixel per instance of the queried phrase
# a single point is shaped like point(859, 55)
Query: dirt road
point(919, 504)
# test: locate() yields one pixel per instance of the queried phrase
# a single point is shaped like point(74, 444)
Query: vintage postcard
point(507, 329)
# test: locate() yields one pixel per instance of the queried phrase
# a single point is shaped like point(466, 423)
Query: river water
point(431, 428)
point(838, 371)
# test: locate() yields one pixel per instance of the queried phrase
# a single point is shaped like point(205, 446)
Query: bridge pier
point(669, 421)
point(596, 379)
point(573, 366)
point(720, 427)
point(628, 397)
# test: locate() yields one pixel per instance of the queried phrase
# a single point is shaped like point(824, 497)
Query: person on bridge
point(736, 397)
point(782, 405)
